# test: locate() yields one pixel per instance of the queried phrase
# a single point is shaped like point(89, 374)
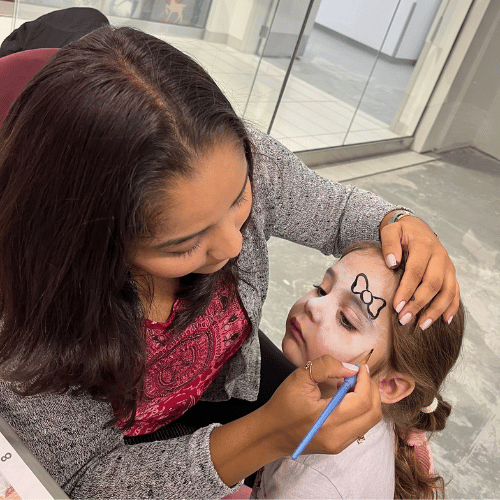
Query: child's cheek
point(330, 341)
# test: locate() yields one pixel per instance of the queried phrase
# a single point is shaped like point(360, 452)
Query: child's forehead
point(368, 262)
point(367, 255)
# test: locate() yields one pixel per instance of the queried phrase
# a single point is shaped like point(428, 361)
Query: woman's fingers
point(297, 404)
point(453, 308)
point(326, 367)
point(429, 275)
point(358, 412)
point(421, 282)
point(444, 299)
point(390, 237)
point(365, 398)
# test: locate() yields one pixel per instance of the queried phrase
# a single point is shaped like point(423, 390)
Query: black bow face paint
point(374, 304)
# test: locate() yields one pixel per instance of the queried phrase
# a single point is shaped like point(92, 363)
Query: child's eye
point(320, 291)
point(345, 322)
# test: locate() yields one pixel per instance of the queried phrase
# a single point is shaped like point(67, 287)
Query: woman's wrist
point(394, 216)
point(243, 446)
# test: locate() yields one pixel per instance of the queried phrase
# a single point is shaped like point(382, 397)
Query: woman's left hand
point(429, 275)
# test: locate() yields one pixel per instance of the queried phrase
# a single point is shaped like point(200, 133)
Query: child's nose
point(314, 309)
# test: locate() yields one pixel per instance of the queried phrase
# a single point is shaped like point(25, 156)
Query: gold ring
point(360, 439)
point(309, 366)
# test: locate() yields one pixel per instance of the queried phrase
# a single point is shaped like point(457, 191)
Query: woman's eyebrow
point(183, 239)
point(242, 190)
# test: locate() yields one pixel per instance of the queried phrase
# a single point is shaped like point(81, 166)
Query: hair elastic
point(432, 407)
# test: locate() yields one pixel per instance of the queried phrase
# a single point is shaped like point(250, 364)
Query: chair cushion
point(16, 71)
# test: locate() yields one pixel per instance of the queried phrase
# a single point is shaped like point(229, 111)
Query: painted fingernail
point(450, 320)
point(426, 324)
point(391, 260)
point(351, 367)
point(405, 319)
point(400, 306)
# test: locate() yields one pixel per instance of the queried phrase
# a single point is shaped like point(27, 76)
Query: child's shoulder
point(378, 441)
point(364, 470)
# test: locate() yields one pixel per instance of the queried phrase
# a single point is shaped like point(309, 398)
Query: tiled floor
point(308, 118)
point(458, 194)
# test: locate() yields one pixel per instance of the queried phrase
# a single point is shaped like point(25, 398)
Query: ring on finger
point(360, 439)
point(309, 366)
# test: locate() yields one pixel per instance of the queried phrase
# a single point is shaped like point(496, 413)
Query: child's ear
point(395, 386)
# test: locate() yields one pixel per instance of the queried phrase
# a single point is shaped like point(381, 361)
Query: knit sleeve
point(303, 207)
point(70, 437)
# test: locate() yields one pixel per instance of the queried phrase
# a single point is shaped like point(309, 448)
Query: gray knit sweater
point(68, 435)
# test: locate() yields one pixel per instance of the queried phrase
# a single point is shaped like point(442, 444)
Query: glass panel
point(223, 35)
point(347, 82)
point(392, 70)
point(191, 13)
point(286, 21)
point(353, 62)
point(440, 40)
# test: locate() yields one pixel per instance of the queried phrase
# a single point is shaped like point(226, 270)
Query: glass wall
point(350, 71)
point(364, 70)
point(314, 74)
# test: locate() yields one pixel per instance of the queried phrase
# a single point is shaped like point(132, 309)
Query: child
point(135, 208)
point(346, 316)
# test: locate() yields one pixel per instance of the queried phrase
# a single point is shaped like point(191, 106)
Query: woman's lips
point(296, 330)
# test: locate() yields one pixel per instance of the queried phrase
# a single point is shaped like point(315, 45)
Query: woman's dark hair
point(87, 153)
point(427, 356)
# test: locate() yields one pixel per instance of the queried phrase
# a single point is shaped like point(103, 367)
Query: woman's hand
point(429, 275)
point(297, 404)
point(243, 446)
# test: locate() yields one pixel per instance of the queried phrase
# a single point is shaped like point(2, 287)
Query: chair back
point(16, 71)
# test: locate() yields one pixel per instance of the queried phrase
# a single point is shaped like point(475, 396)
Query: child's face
point(341, 318)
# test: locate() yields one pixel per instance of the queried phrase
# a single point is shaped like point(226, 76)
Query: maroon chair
point(16, 71)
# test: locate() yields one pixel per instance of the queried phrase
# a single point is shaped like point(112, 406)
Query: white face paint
point(332, 319)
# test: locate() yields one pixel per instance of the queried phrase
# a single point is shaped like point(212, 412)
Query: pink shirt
point(180, 368)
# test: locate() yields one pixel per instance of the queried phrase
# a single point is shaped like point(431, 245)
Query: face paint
point(374, 304)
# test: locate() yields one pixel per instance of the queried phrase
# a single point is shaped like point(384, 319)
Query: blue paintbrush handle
point(334, 402)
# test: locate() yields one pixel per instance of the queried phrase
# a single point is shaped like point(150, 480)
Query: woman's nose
point(227, 243)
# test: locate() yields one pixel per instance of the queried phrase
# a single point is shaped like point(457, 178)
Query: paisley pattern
point(180, 369)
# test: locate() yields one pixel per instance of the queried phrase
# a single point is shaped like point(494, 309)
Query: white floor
point(458, 194)
point(308, 118)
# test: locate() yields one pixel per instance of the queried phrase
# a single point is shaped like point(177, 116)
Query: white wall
point(470, 114)
point(367, 22)
point(487, 138)
point(236, 22)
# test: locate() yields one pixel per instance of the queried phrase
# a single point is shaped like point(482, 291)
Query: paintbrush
point(334, 402)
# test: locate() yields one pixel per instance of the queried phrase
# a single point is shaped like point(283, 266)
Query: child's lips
point(296, 330)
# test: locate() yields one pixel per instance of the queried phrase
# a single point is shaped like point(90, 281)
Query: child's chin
point(291, 352)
